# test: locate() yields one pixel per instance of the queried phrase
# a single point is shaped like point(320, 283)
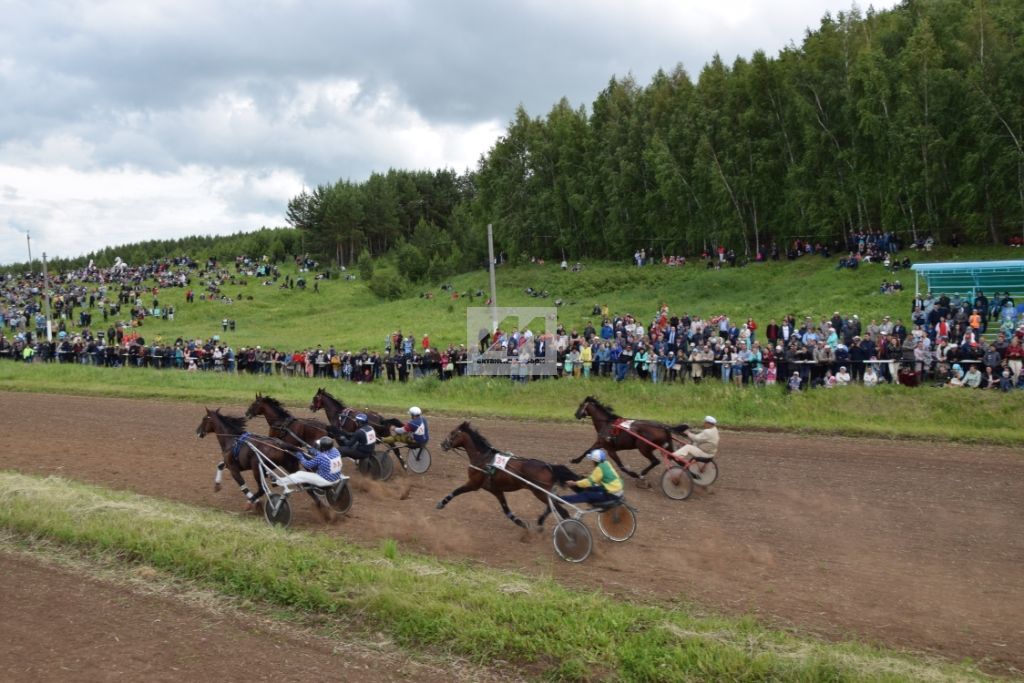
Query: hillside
point(344, 313)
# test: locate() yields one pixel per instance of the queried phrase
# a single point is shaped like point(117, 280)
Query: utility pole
point(46, 291)
point(494, 290)
point(28, 237)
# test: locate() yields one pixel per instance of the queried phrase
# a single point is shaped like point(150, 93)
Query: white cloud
point(125, 120)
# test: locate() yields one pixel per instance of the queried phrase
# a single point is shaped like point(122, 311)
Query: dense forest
point(909, 120)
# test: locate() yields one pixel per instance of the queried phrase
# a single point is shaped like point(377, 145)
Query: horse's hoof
point(643, 483)
point(440, 506)
point(249, 507)
point(216, 488)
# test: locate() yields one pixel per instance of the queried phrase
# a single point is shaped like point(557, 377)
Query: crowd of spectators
point(973, 342)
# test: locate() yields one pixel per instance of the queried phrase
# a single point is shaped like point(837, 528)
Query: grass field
point(961, 415)
point(348, 316)
point(485, 615)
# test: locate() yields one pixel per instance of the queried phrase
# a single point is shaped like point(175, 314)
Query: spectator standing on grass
point(586, 357)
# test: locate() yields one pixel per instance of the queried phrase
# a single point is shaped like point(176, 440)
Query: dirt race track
point(915, 545)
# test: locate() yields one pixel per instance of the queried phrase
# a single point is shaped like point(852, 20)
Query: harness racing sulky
point(275, 468)
point(500, 473)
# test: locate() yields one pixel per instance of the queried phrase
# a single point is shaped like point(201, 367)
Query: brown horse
point(343, 417)
point(238, 455)
point(613, 436)
point(497, 482)
point(298, 431)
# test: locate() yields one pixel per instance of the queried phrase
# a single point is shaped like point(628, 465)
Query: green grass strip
point(486, 615)
point(962, 415)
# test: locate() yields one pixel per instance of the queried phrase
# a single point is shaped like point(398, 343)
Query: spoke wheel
point(618, 523)
point(676, 483)
point(277, 510)
point(340, 497)
point(708, 476)
point(418, 459)
point(370, 467)
point(573, 541)
point(387, 464)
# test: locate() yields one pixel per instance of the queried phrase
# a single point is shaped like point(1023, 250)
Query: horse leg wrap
point(444, 501)
point(248, 494)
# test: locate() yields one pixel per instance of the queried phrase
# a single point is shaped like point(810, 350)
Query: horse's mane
point(235, 425)
point(606, 408)
point(327, 394)
point(479, 440)
point(276, 404)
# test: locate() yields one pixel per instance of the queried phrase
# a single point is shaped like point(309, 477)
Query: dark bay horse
point(498, 482)
point(612, 438)
point(236, 447)
point(343, 417)
point(299, 431)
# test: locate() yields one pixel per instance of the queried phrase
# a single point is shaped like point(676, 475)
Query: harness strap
point(236, 448)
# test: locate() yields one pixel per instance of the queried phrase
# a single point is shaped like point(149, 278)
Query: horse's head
point(583, 410)
point(457, 438)
point(220, 425)
point(595, 409)
point(255, 408)
point(318, 401)
point(207, 424)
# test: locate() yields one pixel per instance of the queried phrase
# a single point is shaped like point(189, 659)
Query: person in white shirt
point(703, 444)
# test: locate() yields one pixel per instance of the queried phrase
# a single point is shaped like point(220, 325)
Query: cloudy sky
point(128, 120)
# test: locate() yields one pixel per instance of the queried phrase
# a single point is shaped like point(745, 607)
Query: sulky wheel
point(618, 523)
point(339, 497)
point(277, 510)
point(676, 483)
point(708, 476)
point(418, 459)
point(573, 541)
point(370, 467)
point(387, 464)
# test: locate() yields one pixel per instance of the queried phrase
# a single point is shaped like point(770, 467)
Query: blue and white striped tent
point(970, 277)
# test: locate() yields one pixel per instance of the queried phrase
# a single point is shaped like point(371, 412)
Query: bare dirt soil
point(907, 544)
point(61, 624)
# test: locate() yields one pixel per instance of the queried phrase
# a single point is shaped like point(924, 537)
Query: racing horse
point(615, 434)
point(236, 447)
point(298, 431)
point(482, 474)
point(343, 417)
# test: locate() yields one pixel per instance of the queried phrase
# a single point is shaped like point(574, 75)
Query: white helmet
point(414, 411)
point(597, 455)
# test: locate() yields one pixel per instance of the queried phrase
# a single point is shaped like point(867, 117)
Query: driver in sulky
point(323, 466)
point(603, 485)
point(703, 443)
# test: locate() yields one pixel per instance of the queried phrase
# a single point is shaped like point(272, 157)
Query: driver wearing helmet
point(704, 443)
point(603, 484)
point(324, 464)
point(413, 432)
point(359, 444)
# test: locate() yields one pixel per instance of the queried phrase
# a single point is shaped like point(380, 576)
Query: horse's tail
point(563, 474)
point(390, 422)
point(679, 428)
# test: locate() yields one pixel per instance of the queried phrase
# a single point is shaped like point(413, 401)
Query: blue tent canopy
point(971, 277)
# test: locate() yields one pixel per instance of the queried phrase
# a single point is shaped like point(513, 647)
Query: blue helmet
point(361, 417)
point(597, 455)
